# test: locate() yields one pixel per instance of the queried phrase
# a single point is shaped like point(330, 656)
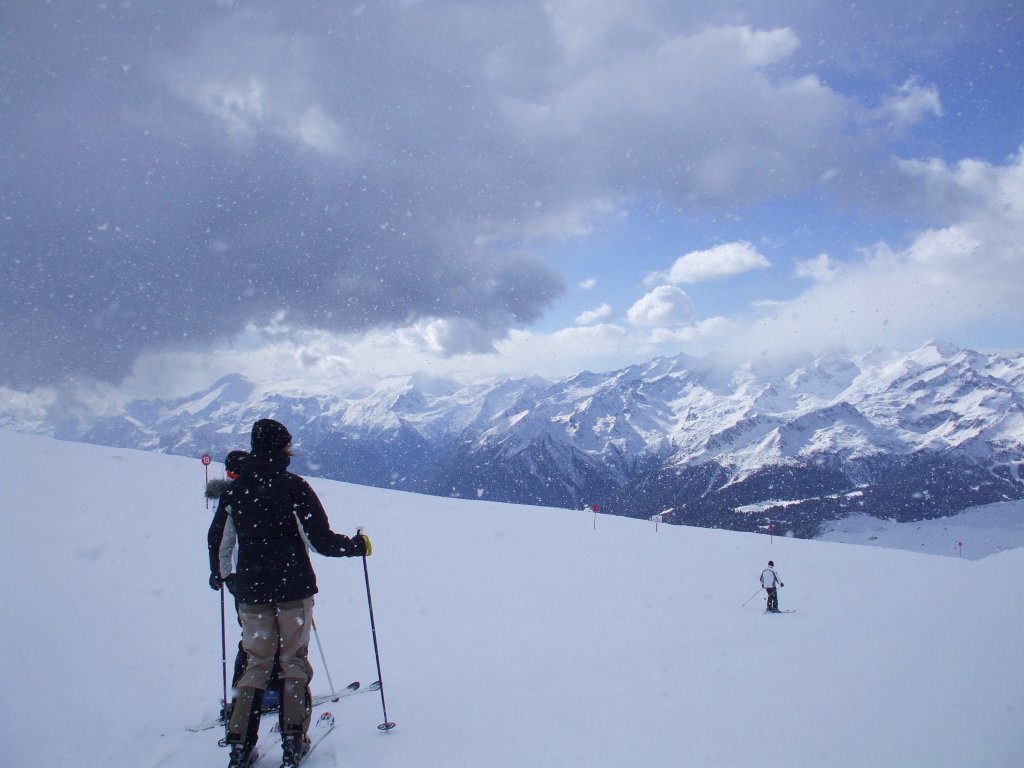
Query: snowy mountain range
point(794, 445)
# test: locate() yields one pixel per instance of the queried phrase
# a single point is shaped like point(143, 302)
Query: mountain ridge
point(903, 436)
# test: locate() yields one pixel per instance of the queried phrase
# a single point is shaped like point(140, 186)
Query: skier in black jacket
point(275, 515)
point(232, 468)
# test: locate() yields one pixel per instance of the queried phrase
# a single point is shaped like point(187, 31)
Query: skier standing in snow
point(274, 514)
point(228, 551)
point(770, 581)
point(228, 539)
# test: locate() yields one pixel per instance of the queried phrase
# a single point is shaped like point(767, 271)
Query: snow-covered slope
point(509, 637)
point(974, 533)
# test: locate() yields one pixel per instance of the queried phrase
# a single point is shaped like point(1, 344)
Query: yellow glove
point(367, 546)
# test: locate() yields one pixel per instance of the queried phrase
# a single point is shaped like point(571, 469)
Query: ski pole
point(386, 725)
point(317, 635)
point(224, 662)
point(751, 597)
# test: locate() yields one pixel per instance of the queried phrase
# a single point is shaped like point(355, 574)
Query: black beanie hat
point(233, 461)
point(771, 564)
point(268, 434)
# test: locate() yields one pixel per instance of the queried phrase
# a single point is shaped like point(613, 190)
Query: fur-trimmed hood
point(216, 487)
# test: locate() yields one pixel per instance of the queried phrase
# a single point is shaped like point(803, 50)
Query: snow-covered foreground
point(510, 636)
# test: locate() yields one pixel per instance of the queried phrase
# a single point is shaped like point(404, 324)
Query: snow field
point(509, 636)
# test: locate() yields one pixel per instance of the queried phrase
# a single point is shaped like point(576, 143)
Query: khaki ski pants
point(280, 629)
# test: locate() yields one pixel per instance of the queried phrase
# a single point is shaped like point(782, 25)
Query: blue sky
point(470, 190)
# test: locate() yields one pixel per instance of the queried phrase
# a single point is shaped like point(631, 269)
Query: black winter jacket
point(274, 514)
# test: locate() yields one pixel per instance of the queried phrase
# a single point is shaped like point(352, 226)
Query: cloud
point(650, 96)
point(946, 281)
point(173, 179)
point(452, 336)
point(589, 284)
point(910, 104)
point(955, 281)
point(722, 261)
point(325, 361)
point(591, 316)
point(710, 330)
point(256, 84)
point(565, 352)
point(250, 165)
point(821, 269)
point(664, 306)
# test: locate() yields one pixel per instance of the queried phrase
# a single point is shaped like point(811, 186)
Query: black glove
point(781, 584)
point(362, 546)
point(215, 581)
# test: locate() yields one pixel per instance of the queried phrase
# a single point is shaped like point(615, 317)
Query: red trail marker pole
point(206, 466)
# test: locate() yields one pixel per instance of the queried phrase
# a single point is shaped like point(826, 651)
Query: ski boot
point(294, 747)
point(242, 756)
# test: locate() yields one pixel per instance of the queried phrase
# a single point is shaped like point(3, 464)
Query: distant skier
point(770, 581)
point(274, 513)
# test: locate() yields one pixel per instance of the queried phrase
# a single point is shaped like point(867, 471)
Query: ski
point(345, 693)
point(788, 610)
point(269, 743)
point(350, 690)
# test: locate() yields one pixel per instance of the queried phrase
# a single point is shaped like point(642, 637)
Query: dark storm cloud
point(173, 171)
point(170, 177)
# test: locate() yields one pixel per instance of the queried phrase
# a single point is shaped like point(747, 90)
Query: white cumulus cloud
point(591, 316)
point(722, 261)
point(664, 306)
